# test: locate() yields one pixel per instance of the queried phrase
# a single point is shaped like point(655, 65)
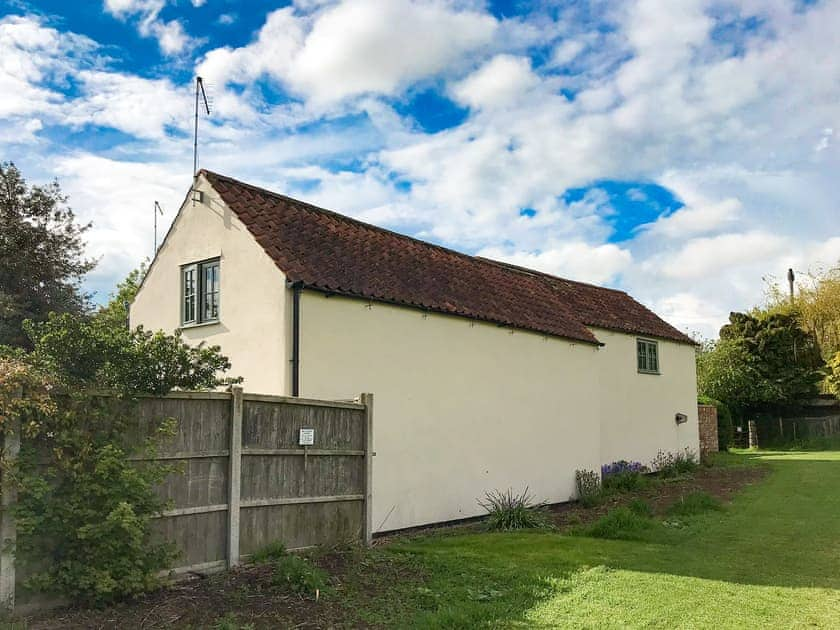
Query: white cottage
point(485, 375)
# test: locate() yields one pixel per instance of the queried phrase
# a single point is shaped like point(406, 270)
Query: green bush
point(507, 511)
point(85, 509)
point(588, 484)
point(298, 575)
point(694, 503)
point(670, 465)
point(620, 524)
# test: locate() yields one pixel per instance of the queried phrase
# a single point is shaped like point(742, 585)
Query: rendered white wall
point(460, 407)
point(637, 410)
point(252, 325)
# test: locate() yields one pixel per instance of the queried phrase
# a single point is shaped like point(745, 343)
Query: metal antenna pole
point(195, 133)
point(157, 209)
point(199, 92)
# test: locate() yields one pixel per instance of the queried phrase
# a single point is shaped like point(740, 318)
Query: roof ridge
point(377, 228)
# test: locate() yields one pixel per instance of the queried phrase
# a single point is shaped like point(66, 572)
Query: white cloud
point(137, 106)
point(575, 260)
point(566, 51)
point(499, 82)
point(171, 36)
point(118, 197)
point(712, 256)
point(227, 18)
point(394, 42)
point(33, 58)
point(390, 45)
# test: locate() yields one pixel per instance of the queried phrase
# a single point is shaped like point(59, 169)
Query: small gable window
point(647, 356)
point(200, 292)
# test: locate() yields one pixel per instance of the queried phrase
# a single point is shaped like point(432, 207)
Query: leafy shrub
point(588, 485)
point(298, 575)
point(620, 524)
point(624, 476)
point(640, 508)
point(670, 465)
point(509, 511)
point(85, 510)
point(694, 503)
point(86, 352)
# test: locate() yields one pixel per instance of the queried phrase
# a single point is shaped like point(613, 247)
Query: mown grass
point(770, 559)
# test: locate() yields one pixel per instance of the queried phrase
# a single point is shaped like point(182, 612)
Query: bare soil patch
point(247, 598)
point(722, 483)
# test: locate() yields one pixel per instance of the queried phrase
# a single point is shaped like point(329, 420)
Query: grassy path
point(771, 559)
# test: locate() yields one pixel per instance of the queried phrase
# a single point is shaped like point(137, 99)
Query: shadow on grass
point(780, 533)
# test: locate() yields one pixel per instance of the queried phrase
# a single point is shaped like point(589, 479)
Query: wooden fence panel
point(303, 495)
point(243, 480)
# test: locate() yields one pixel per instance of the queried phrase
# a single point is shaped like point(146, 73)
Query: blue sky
point(683, 150)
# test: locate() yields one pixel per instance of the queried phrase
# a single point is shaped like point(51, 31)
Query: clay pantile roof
point(333, 253)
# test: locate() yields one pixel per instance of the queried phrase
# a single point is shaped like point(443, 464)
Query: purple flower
point(622, 467)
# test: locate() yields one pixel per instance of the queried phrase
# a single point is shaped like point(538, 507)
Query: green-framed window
point(647, 356)
point(200, 292)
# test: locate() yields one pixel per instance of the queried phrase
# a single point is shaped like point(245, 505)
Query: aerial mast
point(200, 99)
point(156, 210)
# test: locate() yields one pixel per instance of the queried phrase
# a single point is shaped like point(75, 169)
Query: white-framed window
point(200, 292)
point(647, 356)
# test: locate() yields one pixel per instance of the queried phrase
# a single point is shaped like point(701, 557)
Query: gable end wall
point(252, 324)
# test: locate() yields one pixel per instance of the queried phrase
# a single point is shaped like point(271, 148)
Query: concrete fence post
point(367, 401)
point(8, 526)
point(234, 476)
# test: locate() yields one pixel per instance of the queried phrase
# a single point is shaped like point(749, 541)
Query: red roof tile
point(329, 252)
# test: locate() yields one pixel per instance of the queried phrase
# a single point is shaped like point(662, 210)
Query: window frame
point(193, 269)
point(647, 344)
point(200, 291)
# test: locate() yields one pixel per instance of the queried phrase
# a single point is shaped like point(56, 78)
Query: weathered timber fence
point(248, 477)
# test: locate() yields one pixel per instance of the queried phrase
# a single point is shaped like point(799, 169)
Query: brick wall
point(707, 416)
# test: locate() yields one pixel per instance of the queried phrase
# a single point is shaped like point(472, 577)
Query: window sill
point(649, 373)
point(199, 324)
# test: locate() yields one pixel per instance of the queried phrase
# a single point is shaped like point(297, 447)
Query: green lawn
point(770, 559)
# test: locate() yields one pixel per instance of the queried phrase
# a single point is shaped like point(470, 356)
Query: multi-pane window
point(647, 354)
point(189, 287)
point(210, 291)
point(200, 284)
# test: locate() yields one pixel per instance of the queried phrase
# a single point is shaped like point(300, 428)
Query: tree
point(762, 361)
point(115, 313)
point(817, 302)
point(42, 259)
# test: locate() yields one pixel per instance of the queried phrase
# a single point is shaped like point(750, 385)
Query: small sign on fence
point(306, 437)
